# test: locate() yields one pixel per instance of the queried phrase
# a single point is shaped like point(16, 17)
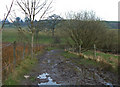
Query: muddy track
point(54, 69)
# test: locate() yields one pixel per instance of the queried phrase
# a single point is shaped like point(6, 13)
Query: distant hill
point(113, 24)
point(110, 24)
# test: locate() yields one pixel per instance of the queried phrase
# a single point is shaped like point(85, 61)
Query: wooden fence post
point(29, 49)
point(73, 49)
point(94, 50)
point(80, 49)
point(23, 50)
point(14, 52)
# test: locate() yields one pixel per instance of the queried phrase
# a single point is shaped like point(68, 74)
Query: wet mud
point(54, 69)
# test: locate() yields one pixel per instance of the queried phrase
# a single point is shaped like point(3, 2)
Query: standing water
point(46, 77)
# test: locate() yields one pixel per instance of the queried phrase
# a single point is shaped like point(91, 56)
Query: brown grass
point(8, 56)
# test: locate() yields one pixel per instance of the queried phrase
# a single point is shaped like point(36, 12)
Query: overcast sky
point(105, 9)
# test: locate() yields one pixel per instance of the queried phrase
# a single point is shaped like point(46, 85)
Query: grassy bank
point(79, 60)
point(106, 57)
point(23, 68)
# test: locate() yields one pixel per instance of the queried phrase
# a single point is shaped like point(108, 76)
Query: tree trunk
point(94, 50)
point(32, 43)
point(53, 32)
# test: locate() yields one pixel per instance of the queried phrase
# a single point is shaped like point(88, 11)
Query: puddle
point(46, 77)
point(43, 76)
point(48, 61)
point(52, 51)
point(108, 84)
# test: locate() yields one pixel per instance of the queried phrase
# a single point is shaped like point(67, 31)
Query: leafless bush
point(84, 30)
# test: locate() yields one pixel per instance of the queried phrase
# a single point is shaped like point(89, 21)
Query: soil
point(64, 71)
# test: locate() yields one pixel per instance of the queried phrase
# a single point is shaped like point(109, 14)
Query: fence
point(94, 49)
point(13, 54)
point(113, 62)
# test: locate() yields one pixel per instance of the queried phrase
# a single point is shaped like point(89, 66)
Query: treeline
point(49, 22)
point(20, 22)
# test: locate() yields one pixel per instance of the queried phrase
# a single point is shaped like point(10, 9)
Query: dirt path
point(54, 69)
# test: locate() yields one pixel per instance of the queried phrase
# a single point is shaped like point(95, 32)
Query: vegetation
point(80, 32)
point(69, 55)
point(22, 69)
point(51, 48)
point(11, 35)
point(89, 62)
point(31, 9)
point(79, 60)
point(85, 30)
point(44, 37)
point(106, 57)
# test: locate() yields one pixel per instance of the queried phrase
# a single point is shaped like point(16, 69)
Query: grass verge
point(88, 62)
point(50, 48)
point(23, 68)
point(79, 60)
point(106, 57)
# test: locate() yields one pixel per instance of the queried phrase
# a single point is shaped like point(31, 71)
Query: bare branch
point(32, 8)
point(22, 8)
point(7, 14)
point(46, 10)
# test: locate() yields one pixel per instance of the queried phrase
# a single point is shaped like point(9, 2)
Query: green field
point(11, 35)
point(44, 37)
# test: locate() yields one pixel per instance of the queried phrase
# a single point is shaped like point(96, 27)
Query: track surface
point(60, 70)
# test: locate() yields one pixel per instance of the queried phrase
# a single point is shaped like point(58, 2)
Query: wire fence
point(97, 55)
point(94, 49)
point(13, 54)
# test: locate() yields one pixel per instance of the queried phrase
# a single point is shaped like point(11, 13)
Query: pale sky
point(105, 9)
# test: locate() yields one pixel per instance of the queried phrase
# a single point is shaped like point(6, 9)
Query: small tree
point(53, 20)
point(17, 21)
point(40, 27)
point(31, 8)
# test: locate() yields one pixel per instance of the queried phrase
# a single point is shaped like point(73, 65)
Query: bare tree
point(9, 10)
point(53, 21)
point(84, 30)
point(5, 18)
point(31, 9)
